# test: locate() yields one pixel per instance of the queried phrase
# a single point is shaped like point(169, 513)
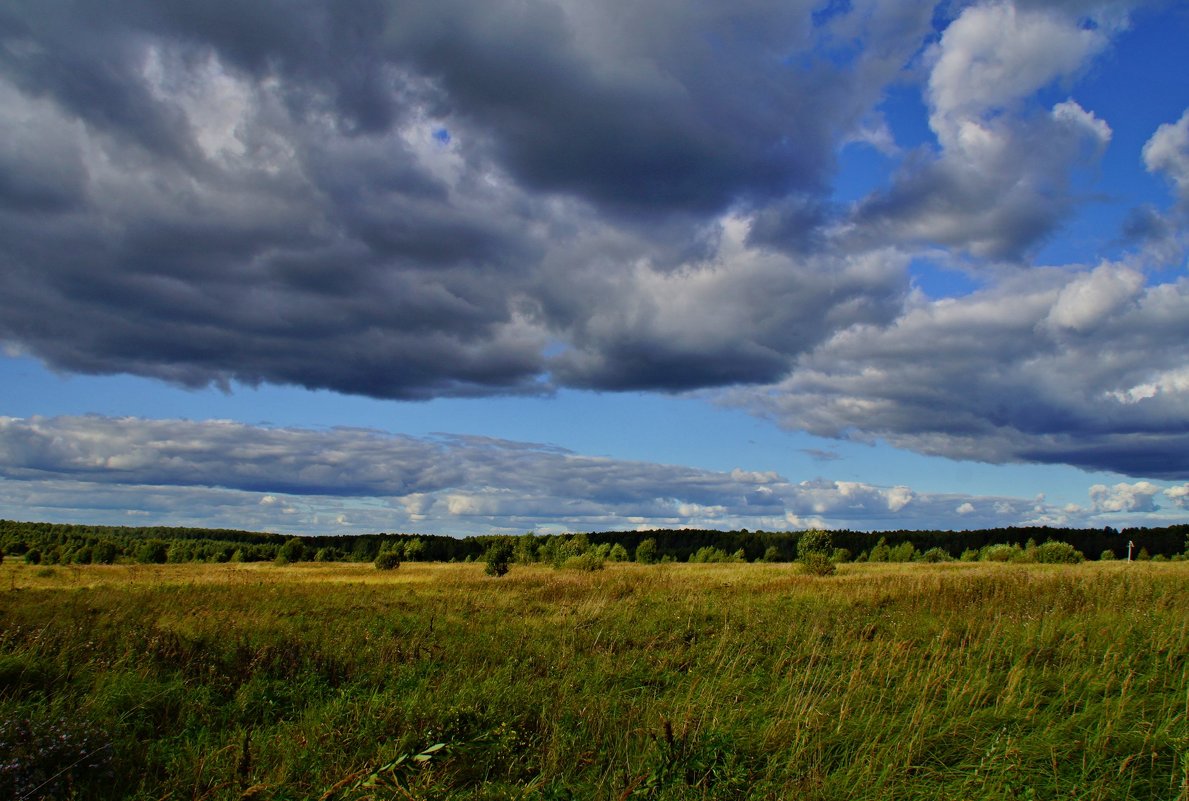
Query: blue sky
point(462, 268)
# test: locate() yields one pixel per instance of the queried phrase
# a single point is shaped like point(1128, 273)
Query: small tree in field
point(813, 551)
point(815, 541)
point(816, 563)
point(387, 560)
point(646, 552)
point(294, 550)
point(499, 558)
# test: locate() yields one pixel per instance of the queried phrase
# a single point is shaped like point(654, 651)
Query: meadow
point(672, 681)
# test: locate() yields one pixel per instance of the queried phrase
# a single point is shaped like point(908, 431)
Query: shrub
point(772, 554)
point(936, 554)
point(999, 553)
point(815, 563)
point(969, 555)
point(880, 552)
point(814, 541)
point(1106, 556)
point(618, 553)
point(904, 552)
point(499, 558)
point(840, 556)
point(1054, 552)
point(387, 560)
point(32, 557)
point(584, 561)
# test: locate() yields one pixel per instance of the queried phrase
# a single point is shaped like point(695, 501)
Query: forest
point(59, 543)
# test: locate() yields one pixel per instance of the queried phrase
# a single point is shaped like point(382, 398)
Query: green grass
point(335, 681)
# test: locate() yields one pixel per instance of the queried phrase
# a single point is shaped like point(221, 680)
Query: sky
point(469, 267)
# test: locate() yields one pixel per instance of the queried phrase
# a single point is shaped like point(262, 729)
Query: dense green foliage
point(78, 544)
point(499, 558)
point(388, 560)
point(714, 681)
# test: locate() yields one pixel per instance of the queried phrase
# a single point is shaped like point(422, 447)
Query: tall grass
point(668, 682)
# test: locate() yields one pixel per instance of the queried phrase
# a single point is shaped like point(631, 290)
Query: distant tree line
point(57, 543)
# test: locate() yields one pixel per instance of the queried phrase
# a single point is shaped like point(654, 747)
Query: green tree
point(771, 554)
point(816, 563)
point(815, 541)
point(618, 553)
point(526, 548)
point(294, 550)
point(152, 552)
point(646, 552)
point(414, 549)
point(499, 557)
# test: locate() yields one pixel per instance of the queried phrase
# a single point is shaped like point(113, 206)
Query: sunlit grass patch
point(955, 680)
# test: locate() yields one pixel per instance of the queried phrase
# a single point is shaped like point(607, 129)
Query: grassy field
point(955, 681)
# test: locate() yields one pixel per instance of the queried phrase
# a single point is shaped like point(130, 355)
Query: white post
point(1130, 545)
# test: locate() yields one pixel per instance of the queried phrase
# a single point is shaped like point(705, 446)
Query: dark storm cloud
point(411, 200)
point(414, 200)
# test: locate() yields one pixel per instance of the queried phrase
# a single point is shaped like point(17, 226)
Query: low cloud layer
point(125, 470)
point(409, 200)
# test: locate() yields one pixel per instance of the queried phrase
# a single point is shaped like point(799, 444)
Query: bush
point(1058, 553)
point(969, 555)
point(618, 553)
point(772, 554)
point(815, 563)
point(840, 556)
point(387, 560)
point(999, 553)
point(499, 558)
point(936, 554)
point(584, 561)
point(32, 557)
point(1106, 556)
